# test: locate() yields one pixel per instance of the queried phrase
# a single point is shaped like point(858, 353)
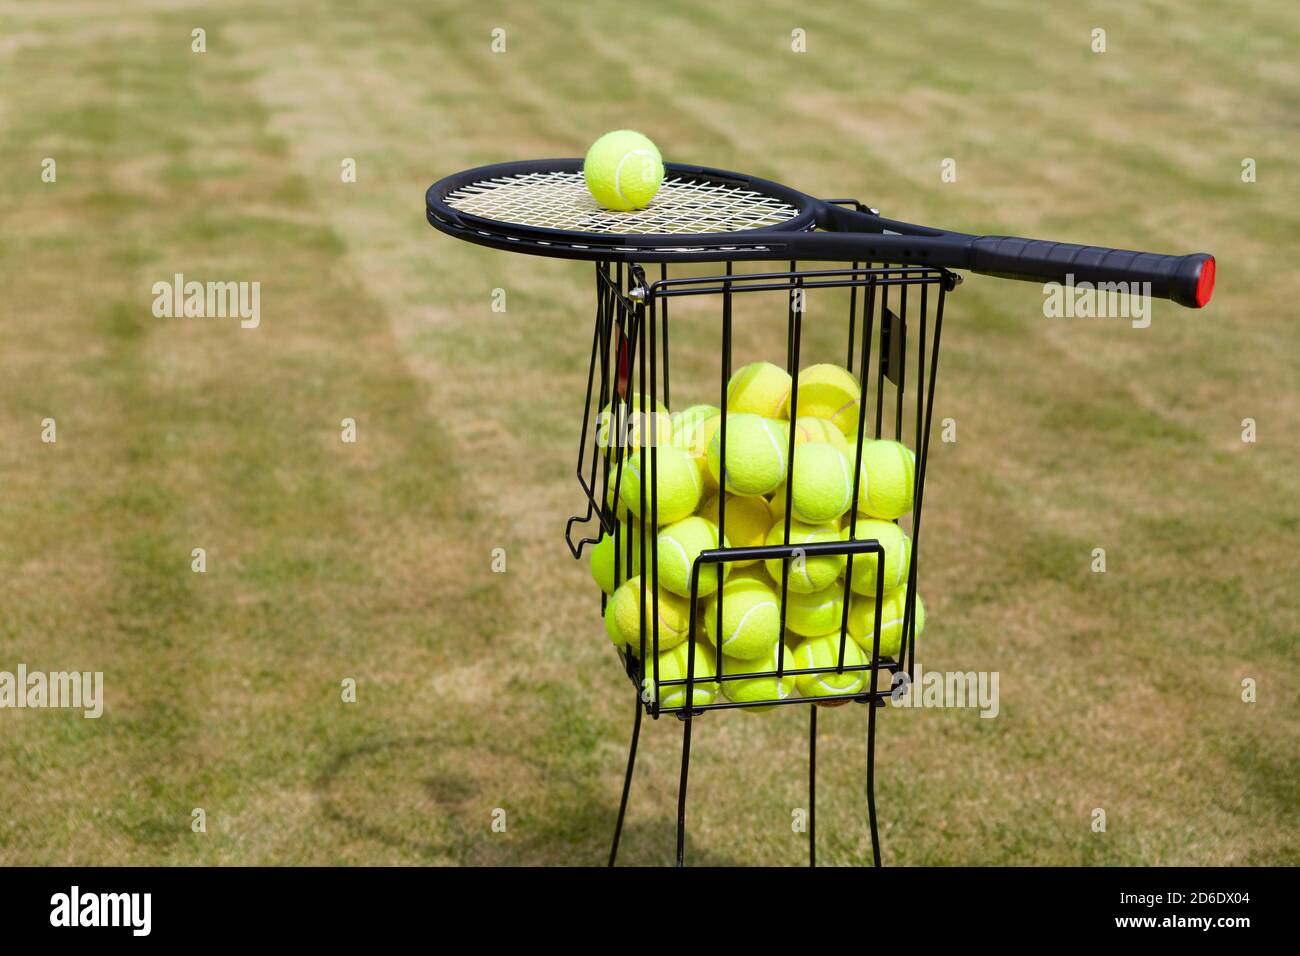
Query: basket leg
point(627, 781)
point(681, 791)
point(871, 781)
point(812, 785)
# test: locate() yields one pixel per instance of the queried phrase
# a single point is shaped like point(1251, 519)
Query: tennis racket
point(700, 214)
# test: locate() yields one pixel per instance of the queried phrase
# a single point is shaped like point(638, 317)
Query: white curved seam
point(618, 170)
point(743, 618)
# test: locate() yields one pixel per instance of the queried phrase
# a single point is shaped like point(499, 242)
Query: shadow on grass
point(431, 800)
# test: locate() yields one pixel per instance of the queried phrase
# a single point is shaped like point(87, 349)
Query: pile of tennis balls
point(688, 454)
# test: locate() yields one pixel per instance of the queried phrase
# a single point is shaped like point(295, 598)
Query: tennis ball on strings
point(832, 393)
point(678, 482)
point(897, 558)
point(760, 388)
point(604, 563)
point(817, 612)
point(751, 689)
point(888, 479)
point(679, 545)
point(748, 522)
point(823, 653)
point(809, 429)
point(822, 482)
point(862, 621)
point(756, 454)
point(751, 622)
point(808, 573)
point(623, 170)
point(623, 615)
point(674, 664)
point(624, 424)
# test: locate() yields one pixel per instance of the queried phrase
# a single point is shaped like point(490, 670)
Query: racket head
point(543, 207)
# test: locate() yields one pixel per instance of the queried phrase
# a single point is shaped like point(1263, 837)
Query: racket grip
point(1187, 280)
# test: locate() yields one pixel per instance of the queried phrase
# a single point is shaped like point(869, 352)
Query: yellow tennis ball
point(692, 429)
point(807, 573)
point(603, 561)
point(888, 479)
point(623, 617)
point(687, 423)
point(678, 483)
point(612, 499)
point(822, 481)
point(679, 545)
point(623, 170)
point(623, 424)
point(817, 612)
point(809, 429)
point(756, 454)
point(862, 621)
point(760, 388)
point(897, 558)
point(748, 522)
point(776, 501)
point(832, 393)
point(747, 690)
point(674, 664)
point(751, 622)
point(823, 653)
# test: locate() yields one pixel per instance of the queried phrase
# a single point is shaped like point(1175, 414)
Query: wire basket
point(891, 342)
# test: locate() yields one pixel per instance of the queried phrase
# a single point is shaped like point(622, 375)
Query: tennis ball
point(888, 479)
point(898, 554)
point(862, 621)
point(760, 388)
point(831, 393)
point(776, 501)
point(679, 484)
point(674, 665)
point(817, 612)
point(623, 170)
point(624, 424)
point(679, 545)
point(756, 454)
point(623, 617)
point(823, 482)
point(688, 422)
point(612, 500)
point(809, 429)
point(750, 689)
point(823, 652)
point(748, 522)
point(603, 562)
point(693, 428)
point(751, 622)
point(807, 573)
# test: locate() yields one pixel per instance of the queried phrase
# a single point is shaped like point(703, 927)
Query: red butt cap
point(1205, 283)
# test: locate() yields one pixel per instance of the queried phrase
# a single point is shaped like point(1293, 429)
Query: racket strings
point(561, 200)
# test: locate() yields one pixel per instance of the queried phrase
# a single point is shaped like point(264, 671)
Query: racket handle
point(1187, 280)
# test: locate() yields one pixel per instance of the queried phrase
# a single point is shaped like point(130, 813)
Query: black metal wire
point(627, 781)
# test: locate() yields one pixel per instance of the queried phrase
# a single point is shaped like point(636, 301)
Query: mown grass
point(480, 691)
